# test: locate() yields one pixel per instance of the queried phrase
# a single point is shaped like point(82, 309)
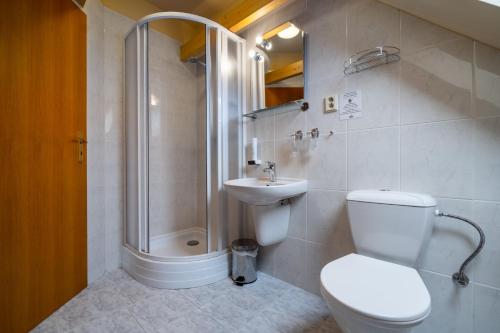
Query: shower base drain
point(192, 242)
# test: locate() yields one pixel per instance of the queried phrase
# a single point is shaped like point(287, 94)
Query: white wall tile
point(289, 122)
point(289, 163)
point(95, 137)
point(380, 97)
point(436, 83)
point(451, 306)
point(95, 210)
point(417, 34)
point(298, 217)
point(113, 164)
point(325, 24)
point(115, 28)
point(317, 256)
point(113, 250)
point(370, 24)
point(451, 241)
point(436, 158)
point(265, 259)
point(262, 128)
point(485, 266)
point(326, 216)
point(327, 163)
point(486, 310)
point(487, 80)
point(486, 159)
point(373, 159)
point(316, 92)
point(96, 259)
point(290, 261)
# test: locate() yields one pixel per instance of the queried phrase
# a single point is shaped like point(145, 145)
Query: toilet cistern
point(271, 170)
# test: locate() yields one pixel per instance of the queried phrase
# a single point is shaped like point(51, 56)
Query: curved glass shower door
point(177, 144)
point(183, 135)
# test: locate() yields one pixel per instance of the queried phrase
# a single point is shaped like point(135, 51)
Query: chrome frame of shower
point(142, 26)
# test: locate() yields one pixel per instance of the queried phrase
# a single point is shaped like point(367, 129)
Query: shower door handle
point(80, 140)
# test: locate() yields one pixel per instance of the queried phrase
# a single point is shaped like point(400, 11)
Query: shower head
point(194, 60)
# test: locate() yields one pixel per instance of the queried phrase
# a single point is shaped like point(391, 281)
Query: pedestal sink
point(261, 191)
point(270, 210)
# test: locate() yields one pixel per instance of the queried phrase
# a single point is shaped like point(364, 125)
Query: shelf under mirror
point(290, 106)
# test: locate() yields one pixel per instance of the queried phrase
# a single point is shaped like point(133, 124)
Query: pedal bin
point(244, 267)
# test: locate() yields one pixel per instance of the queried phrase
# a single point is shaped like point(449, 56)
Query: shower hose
point(459, 277)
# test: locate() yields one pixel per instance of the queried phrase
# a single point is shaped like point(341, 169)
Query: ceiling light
point(289, 32)
point(259, 39)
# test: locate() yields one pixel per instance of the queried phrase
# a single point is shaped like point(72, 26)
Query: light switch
point(331, 103)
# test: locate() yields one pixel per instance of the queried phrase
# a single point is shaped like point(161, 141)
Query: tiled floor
point(117, 303)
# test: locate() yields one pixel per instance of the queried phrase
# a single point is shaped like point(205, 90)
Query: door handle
point(80, 140)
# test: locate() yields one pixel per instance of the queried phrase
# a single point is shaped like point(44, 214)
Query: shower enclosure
point(183, 140)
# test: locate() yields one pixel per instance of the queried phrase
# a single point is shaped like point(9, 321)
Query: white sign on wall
point(350, 105)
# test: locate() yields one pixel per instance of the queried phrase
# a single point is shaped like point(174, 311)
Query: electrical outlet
point(331, 103)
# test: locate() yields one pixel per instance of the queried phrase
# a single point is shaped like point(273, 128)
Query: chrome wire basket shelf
point(380, 55)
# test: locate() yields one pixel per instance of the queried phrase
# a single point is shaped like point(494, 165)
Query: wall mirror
point(278, 68)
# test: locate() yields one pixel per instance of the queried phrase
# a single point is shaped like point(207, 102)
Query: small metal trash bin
point(244, 268)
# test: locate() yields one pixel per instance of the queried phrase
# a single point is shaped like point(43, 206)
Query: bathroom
point(427, 122)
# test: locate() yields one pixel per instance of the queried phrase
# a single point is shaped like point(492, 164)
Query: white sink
point(261, 191)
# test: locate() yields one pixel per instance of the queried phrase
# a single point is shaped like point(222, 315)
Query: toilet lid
point(376, 288)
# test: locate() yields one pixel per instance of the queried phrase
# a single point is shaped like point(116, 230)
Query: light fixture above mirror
point(289, 32)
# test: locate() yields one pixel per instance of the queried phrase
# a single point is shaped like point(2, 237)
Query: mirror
point(278, 70)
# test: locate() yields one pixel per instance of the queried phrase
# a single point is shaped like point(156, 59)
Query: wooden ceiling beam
point(277, 30)
point(283, 73)
point(235, 19)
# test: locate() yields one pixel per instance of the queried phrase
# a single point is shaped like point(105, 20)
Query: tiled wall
point(104, 133)
point(430, 123)
point(95, 135)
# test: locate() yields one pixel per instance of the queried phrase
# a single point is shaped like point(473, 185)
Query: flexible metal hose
point(459, 277)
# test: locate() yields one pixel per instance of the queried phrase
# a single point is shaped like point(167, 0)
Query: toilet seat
point(376, 289)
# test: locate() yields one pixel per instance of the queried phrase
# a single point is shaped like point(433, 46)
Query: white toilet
point(378, 290)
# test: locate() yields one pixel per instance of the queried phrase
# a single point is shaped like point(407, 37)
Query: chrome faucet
point(271, 169)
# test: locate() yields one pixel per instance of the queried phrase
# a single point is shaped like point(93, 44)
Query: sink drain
point(192, 242)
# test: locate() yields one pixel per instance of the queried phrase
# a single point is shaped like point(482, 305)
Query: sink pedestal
point(271, 222)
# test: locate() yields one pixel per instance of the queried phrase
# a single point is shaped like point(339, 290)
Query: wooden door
point(42, 182)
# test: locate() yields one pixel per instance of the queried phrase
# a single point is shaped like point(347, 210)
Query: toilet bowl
point(377, 290)
point(367, 295)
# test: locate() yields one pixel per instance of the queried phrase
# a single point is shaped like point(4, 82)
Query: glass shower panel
point(176, 147)
point(131, 102)
point(212, 130)
point(231, 109)
point(135, 116)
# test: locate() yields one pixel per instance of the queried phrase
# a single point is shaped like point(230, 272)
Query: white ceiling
point(473, 18)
